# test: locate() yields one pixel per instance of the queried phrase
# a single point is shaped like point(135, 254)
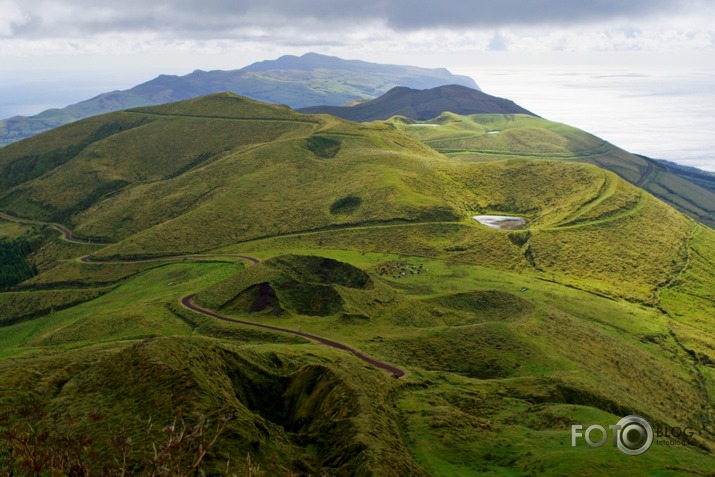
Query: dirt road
point(187, 301)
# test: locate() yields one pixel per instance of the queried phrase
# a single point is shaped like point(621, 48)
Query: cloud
point(46, 27)
point(489, 13)
point(10, 16)
point(231, 18)
point(499, 42)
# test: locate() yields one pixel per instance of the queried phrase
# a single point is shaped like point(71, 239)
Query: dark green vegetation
point(422, 104)
point(14, 266)
point(309, 80)
point(15, 252)
point(601, 308)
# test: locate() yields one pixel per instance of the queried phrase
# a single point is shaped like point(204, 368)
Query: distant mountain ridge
point(308, 80)
point(422, 105)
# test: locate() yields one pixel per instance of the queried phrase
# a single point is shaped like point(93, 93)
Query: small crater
point(323, 147)
point(346, 205)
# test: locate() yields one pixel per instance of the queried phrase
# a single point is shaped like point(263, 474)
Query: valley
point(210, 249)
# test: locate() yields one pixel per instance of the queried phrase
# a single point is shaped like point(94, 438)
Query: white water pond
point(501, 221)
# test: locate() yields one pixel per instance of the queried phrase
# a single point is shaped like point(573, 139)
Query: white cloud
point(250, 30)
point(10, 16)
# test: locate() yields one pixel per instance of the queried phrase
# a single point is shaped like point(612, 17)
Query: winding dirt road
point(187, 301)
point(646, 175)
point(165, 258)
point(66, 234)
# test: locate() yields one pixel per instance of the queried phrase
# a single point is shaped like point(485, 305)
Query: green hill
point(422, 104)
point(309, 80)
point(360, 240)
point(704, 179)
point(497, 137)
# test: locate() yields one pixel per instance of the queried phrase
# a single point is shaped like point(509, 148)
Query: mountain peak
point(312, 61)
point(297, 81)
point(423, 104)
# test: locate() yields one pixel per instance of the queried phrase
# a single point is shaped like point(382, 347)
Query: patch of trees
point(15, 264)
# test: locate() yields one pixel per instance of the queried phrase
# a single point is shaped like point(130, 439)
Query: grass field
point(601, 307)
point(12, 229)
point(537, 346)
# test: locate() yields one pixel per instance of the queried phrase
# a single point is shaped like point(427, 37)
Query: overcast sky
point(54, 52)
point(216, 27)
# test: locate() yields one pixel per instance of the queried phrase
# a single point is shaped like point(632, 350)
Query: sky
point(640, 73)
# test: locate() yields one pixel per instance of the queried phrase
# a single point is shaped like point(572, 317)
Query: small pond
point(501, 221)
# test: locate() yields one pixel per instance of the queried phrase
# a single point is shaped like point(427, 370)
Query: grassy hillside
point(215, 164)
point(497, 137)
point(362, 235)
point(704, 179)
point(138, 148)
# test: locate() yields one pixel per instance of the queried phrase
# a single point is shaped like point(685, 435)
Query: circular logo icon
point(634, 435)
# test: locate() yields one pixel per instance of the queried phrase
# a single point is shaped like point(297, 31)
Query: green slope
point(702, 178)
point(129, 149)
point(215, 164)
point(600, 307)
point(497, 137)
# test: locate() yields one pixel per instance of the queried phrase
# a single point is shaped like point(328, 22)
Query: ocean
point(657, 113)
